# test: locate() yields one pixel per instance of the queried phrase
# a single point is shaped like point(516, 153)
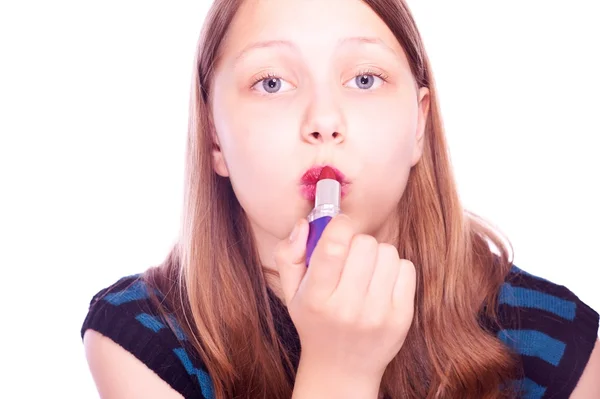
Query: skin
point(372, 132)
point(321, 115)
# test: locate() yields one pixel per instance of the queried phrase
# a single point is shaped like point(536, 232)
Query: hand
point(355, 303)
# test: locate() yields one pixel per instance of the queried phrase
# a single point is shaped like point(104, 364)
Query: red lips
point(312, 175)
point(309, 181)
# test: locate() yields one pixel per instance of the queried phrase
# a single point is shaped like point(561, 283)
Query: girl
point(406, 295)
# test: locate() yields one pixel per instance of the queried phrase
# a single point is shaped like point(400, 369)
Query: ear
point(219, 163)
point(424, 102)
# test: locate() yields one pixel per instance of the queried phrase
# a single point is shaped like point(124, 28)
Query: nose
point(324, 120)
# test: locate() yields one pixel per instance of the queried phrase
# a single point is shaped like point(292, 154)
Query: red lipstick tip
point(327, 173)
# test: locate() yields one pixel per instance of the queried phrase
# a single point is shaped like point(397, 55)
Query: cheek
point(249, 137)
point(255, 126)
point(385, 133)
point(384, 143)
point(257, 146)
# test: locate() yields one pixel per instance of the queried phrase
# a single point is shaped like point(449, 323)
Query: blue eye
point(270, 84)
point(367, 80)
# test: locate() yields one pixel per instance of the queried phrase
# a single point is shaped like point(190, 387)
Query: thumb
point(290, 259)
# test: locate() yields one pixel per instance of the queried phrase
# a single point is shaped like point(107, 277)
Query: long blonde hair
point(216, 286)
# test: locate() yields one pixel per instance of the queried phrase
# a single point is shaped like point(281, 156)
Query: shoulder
point(124, 330)
point(550, 328)
point(119, 374)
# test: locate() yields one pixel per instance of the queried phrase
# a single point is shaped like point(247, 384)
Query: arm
point(589, 383)
point(118, 374)
point(315, 383)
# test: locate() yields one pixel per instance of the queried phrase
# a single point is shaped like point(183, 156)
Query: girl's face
point(304, 83)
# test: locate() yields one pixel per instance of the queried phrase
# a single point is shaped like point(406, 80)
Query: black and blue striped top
point(546, 324)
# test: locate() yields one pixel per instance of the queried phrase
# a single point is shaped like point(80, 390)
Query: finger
point(328, 258)
point(358, 270)
point(381, 288)
point(289, 259)
point(405, 287)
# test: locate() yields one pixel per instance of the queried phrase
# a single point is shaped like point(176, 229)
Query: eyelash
point(380, 75)
point(370, 72)
point(264, 77)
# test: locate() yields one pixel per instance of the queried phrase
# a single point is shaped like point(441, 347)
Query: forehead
point(308, 24)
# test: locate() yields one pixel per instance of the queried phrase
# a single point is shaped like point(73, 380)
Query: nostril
point(315, 135)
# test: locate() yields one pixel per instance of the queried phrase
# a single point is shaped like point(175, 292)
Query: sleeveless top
point(551, 330)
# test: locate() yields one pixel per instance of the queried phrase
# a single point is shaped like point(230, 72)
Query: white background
point(93, 117)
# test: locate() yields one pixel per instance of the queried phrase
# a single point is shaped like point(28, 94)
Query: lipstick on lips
point(328, 196)
point(311, 177)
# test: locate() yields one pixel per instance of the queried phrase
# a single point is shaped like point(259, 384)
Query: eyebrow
point(357, 40)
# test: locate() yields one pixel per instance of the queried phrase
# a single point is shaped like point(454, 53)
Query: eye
point(367, 80)
point(270, 84)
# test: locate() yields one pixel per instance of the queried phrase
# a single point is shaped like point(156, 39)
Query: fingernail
point(294, 233)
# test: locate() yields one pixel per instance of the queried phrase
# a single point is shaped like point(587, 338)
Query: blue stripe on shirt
point(528, 298)
point(534, 343)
